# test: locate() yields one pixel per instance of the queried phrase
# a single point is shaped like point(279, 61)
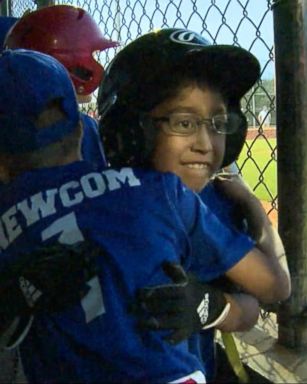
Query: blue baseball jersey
point(91, 147)
point(202, 344)
point(140, 219)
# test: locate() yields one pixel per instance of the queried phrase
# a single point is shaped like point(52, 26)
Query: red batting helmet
point(70, 35)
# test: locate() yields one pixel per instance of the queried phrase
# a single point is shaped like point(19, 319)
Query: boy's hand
point(57, 276)
point(50, 279)
point(249, 209)
point(233, 186)
point(184, 306)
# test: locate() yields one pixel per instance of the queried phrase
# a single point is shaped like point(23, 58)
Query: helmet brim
point(102, 44)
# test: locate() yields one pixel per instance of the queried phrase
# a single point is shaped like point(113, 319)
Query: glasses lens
point(182, 123)
point(226, 123)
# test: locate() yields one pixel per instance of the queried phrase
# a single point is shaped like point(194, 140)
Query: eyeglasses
point(185, 124)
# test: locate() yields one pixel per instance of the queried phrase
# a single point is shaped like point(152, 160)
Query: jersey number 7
point(67, 231)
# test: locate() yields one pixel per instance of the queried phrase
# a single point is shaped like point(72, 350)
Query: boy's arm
point(259, 274)
point(264, 271)
point(187, 305)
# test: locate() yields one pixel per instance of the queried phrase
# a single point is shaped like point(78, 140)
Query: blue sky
point(248, 23)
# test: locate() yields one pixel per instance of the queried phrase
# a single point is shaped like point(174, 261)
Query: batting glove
point(185, 306)
point(48, 280)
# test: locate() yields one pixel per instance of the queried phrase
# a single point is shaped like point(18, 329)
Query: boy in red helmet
point(70, 35)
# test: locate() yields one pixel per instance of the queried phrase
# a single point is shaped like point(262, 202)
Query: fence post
point(290, 34)
point(4, 8)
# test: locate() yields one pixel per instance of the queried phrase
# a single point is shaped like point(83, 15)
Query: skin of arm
point(243, 314)
point(244, 308)
point(263, 272)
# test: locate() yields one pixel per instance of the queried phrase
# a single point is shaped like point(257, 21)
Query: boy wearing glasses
point(171, 101)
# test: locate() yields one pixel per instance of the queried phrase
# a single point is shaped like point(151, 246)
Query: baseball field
point(258, 164)
point(259, 167)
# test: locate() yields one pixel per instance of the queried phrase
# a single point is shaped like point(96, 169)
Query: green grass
point(263, 181)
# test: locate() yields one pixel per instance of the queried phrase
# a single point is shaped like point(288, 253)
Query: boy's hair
point(62, 149)
point(69, 34)
point(151, 70)
point(31, 82)
point(59, 153)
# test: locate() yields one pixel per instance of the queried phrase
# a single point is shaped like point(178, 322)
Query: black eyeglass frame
point(232, 122)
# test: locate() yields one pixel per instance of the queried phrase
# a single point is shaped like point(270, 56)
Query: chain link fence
point(246, 23)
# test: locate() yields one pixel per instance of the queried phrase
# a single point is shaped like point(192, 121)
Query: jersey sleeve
point(215, 246)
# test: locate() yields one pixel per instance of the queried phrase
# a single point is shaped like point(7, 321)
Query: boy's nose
point(202, 140)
